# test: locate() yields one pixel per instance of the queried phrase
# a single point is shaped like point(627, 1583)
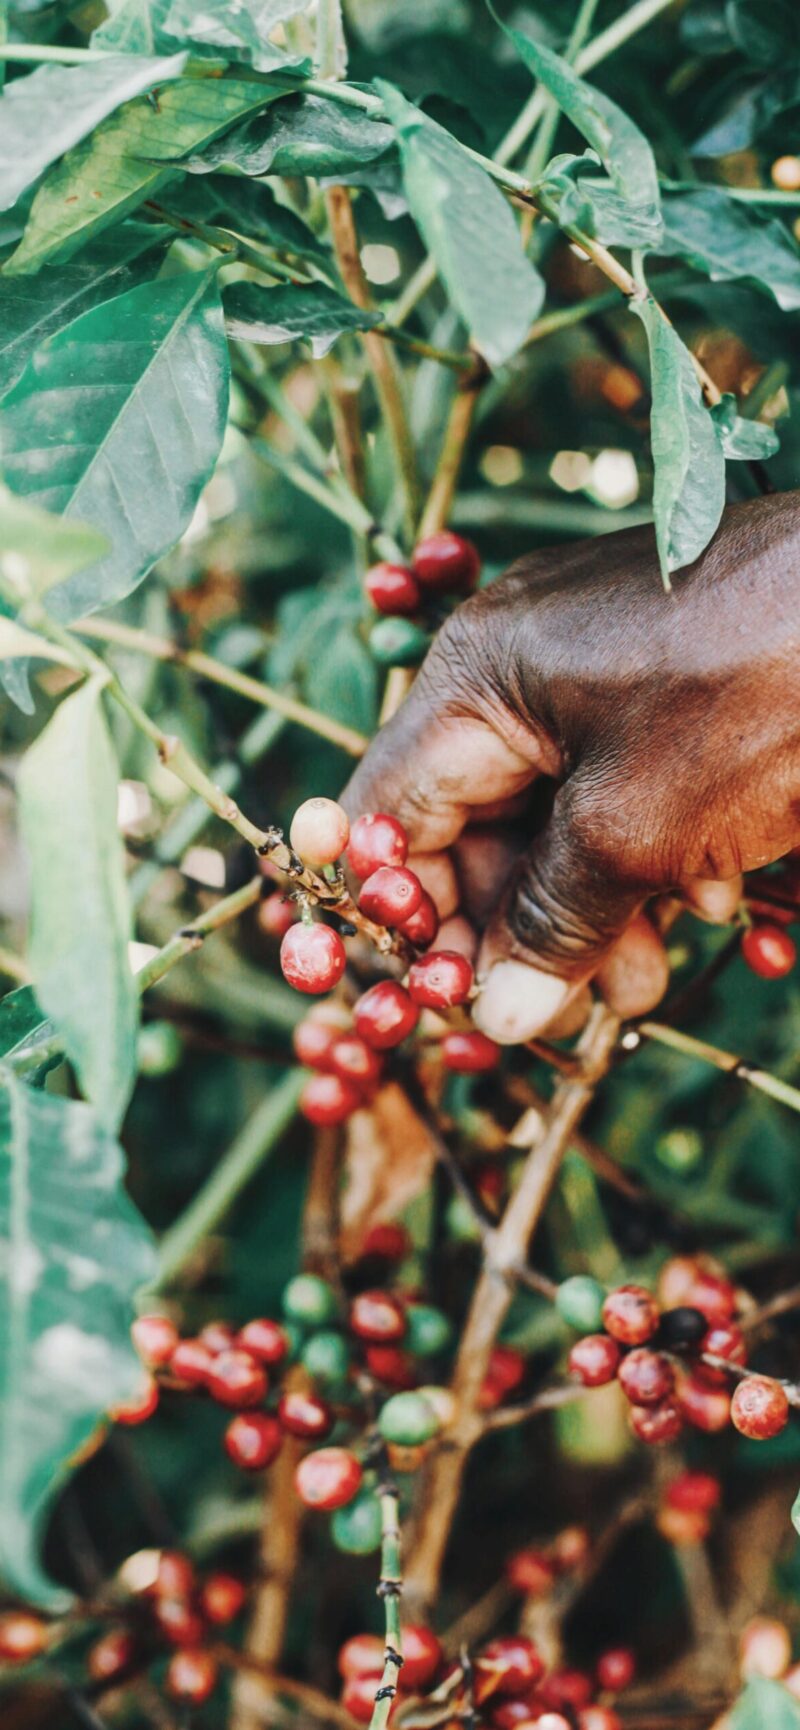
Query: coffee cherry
point(357, 1529)
point(630, 1314)
point(657, 1424)
point(376, 839)
point(398, 643)
point(276, 915)
point(315, 1034)
point(320, 831)
point(570, 1549)
point(470, 1053)
point(328, 1099)
point(616, 1669)
point(694, 1492)
point(264, 1340)
point(304, 1415)
point(680, 1328)
point(191, 1676)
point(175, 1575)
point(362, 1655)
point(178, 1622)
point(237, 1380)
point(769, 951)
point(508, 1665)
point(785, 173)
point(714, 1296)
point(138, 1409)
point(423, 925)
point(253, 1440)
point(765, 1648)
point(579, 1302)
point(553, 1721)
point(759, 1408)
point(388, 1240)
point(597, 1718)
point(328, 1479)
point(705, 1407)
point(111, 1655)
point(408, 1419)
point(722, 1342)
point(440, 980)
point(390, 1365)
point(393, 589)
point(507, 1366)
point(570, 1689)
point(428, 1330)
point(354, 1060)
point(676, 1279)
point(511, 1714)
point(445, 561)
point(358, 1694)
point(309, 1300)
point(680, 1527)
point(377, 1316)
point(222, 1596)
point(191, 1363)
point(422, 1655)
point(594, 1360)
point(326, 1356)
point(218, 1337)
point(645, 1377)
point(155, 1338)
point(385, 1015)
point(391, 894)
point(531, 1572)
point(23, 1636)
point(313, 958)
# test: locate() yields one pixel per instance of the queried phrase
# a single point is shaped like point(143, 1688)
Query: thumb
point(564, 908)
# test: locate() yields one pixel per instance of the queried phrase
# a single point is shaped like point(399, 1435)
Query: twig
point(724, 1060)
point(548, 1400)
point(459, 424)
point(390, 1588)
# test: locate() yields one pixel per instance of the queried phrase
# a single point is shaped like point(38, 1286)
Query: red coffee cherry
point(391, 894)
point(694, 1492)
point(393, 589)
point(645, 1377)
point(358, 1695)
point(276, 914)
point(191, 1676)
point(769, 951)
point(531, 1572)
point(469, 1053)
point(759, 1408)
point(714, 1297)
point(175, 1577)
point(191, 1363)
point(221, 1598)
point(387, 1239)
point(253, 1440)
point(390, 1365)
point(22, 1636)
point(178, 1622)
point(705, 1407)
point(328, 1099)
point(385, 1015)
point(320, 831)
point(218, 1337)
point(630, 1314)
point(304, 1415)
point(597, 1718)
point(155, 1338)
point(264, 1340)
point(422, 1655)
point(680, 1527)
point(657, 1424)
point(446, 561)
point(313, 958)
point(440, 979)
point(362, 1655)
point(594, 1360)
point(616, 1669)
point(328, 1479)
point(138, 1409)
point(508, 1665)
point(378, 1317)
point(313, 1037)
point(237, 1380)
point(571, 1689)
point(726, 1342)
point(423, 925)
point(507, 1366)
point(376, 839)
point(111, 1655)
point(354, 1060)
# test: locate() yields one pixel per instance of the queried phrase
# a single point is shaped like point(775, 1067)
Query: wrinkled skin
point(629, 741)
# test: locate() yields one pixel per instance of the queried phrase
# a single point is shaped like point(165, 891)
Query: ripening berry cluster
point(674, 1355)
point(409, 596)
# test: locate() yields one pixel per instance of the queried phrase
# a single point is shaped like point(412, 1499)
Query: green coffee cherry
point(680, 1150)
point(428, 1330)
point(356, 1529)
point(462, 1225)
point(309, 1300)
point(408, 1419)
point(326, 1356)
point(159, 1048)
point(580, 1302)
point(398, 643)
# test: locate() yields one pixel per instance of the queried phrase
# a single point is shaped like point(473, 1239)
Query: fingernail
point(517, 1001)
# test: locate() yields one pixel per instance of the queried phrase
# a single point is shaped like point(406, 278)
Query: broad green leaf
point(40, 550)
point(747, 440)
point(621, 147)
point(32, 309)
point(765, 1706)
point(317, 313)
point(730, 240)
point(118, 420)
point(27, 1038)
point(301, 135)
point(16, 643)
point(47, 112)
point(134, 27)
point(73, 1251)
point(126, 161)
point(239, 29)
point(689, 484)
point(253, 211)
point(80, 917)
point(470, 231)
point(595, 206)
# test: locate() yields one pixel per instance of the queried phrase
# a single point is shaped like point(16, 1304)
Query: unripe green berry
point(680, 1150)
point(408, 1419)
point(428, 1330)
point(326, 1356)
point(309, 1300)
point(356, 1529)
point(398, 643)
point(159, 1048)
point(579, 1302)
point(461, 1223)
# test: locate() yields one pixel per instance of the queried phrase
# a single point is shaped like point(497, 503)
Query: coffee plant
point(356, 1367)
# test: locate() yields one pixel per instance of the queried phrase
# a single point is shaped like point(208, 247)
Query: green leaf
point(730, 240)
point(315, 312)
point(470, 231)
point(33, 309)
point(126, 161)
point(596, 207)
point(767, 35)
point(73, 1250)
point(47, 112)
point(689, 485)
point(621, 147)
point(747, 440)
point(80, 917)
point(765, 1706)
point(39, 550)
point(27, 1036)
point(252, 211)
point(239, 29)
point(118, 420)
point(301, 135)
point(134, 27)
point(16, 643)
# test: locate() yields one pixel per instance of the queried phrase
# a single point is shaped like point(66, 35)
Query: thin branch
point(390, 1588)
point(451, 457)
point(772, 1085)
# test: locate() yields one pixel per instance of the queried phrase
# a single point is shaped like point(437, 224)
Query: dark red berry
point(469, 1053)
point(630, 1314)
point(138, 1409)
point(111, 1655)
point(328, 1479)
point(191, 1676)
point(358, 1695)
point(508, 1665)
point(594, 1360)
point(571, 1689)
point(313, 958)
point(276, 915)
point(388, 1240)
point(680, 1328)
point(354, 1060)
point(155, 1338)
point(175, 1577)
point(178, 1622)
point(191, 1363)
point(694, 1493)
point(393, 589)
point(422, 1655)
point(22, 1636)
point(385, 1015)
point(446, 561)
point(616, 1669)
point(531, 1572)
point(362, 1655)
point(376, 839)
point(390, 1365)
point(423, 925)
point(657, 1424)
point(253, 1440)
point(304, 1415)
point(237, 1380)
point(391, 894)
point(218, 1337)
point(714, 1297)
point(264, 1340)
point(440, 979)
point(705, 1407)
point(645, 1377)
point(328, 1099)
point(726, 1342)
point(507, 1366)
point(378, 1317)
point(221, 1598)
point(759, 1408)
point(769, 951)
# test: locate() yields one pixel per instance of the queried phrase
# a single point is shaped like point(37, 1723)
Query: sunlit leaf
point(240, 30)
point(748, 440)
point(301, 135)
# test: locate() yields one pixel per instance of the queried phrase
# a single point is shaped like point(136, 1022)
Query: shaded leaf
point(748, 111)
point(39, 550)
point(767, 35)
point(689, 484)
point(730, 240)
point(765, 1706)
point(470, 231)
point(27, 1037)
point(748, 440)
point(130, 445)
point(239, 29)
point(301, 135)
point(247, 209)
point(47, 112)
point(314, 312)
point(73, 1250)
point(595, 206)
point(80, 917)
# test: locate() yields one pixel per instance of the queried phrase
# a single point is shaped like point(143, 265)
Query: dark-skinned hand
point(578, 741)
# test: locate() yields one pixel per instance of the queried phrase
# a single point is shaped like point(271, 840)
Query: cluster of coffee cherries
point(442, 564)
point(674, 1354)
